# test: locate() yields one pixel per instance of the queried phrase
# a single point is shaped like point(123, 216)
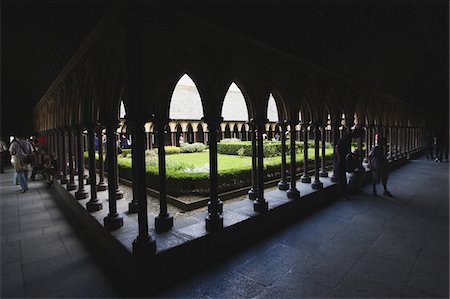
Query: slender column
point(144, 244)
point(360, 142)
point(252, 193)
point(71, 184)
point(163, 222)
point(93, 204)
point(282, 184)
point(335, 133)
point(81, 193)
point(305, 177)
point(323, 171)
point(113, 220)
point(214, 219)
point(317, 184)
point(101, 186)
point(260, 204)
point(64, 173)
point(74, 152)
point(133, 204)
point(391, 144)
point(293, 191)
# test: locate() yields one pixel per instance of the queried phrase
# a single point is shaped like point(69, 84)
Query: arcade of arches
point(129, 58)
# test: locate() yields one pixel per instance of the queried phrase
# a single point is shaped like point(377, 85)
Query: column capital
point(259, 121)
point(282, 123)
point(212, 121)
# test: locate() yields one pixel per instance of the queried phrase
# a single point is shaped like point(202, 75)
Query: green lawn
point(199, 161)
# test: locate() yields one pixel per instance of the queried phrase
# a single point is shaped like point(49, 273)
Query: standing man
point(3, 155)
point(343, 147)
point(378, 165)
point(21, 148)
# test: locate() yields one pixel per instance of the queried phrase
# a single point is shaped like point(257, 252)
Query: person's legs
point(22, 180)
point(384, 179)
point(342, 179)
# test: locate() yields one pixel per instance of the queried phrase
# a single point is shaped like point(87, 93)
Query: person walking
point(343, 147)
point(21, 149)
point(3, 155)
point(378, 165)
point(429, 146)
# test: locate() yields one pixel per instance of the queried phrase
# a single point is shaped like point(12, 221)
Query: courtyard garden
point(187, 166)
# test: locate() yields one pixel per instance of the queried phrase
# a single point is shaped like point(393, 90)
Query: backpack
point(28, 159)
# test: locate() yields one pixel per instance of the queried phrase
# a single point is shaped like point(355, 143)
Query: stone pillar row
point(69, 143)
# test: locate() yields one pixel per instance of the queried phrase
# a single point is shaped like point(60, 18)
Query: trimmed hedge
point(192, 147)
point(244, 148)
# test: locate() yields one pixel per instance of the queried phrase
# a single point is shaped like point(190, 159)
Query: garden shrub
point(192, 147)
point(230, 140)
point(171, 150)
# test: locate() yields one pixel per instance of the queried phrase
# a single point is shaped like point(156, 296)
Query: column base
point(334, 178)
point(94, 206)
point(251, 194)
point(283, 185)
point(102, 186)
point(64, 180)
point(316, 185)
point(260, 206)
point(214, 223)
point(133, 206)
point(305, 179)
point(71, 186)
point(163, 223)
point(219, 207)
point(119, 194)
point(144, 248)
point(81, 194)
point(293, 193)
point(323, 174)
point(113, 222)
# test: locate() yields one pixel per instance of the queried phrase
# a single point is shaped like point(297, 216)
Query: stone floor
point(363, 247)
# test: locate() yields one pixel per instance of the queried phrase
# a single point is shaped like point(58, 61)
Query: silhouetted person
point(3, 155)
point(355, 169)
point(378, 165)
point(440, 145)
point(343, 147)
point(429, 146)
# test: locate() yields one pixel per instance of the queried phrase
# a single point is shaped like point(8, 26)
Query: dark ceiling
point(400, 48)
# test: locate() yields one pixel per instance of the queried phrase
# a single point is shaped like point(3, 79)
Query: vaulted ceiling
point(400, 48)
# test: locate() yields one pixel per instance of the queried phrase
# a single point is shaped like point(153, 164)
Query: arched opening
point(186, 103)
point(235, 132)
point(190, 134)
point(227, 131)
point(234, 106)
point(200, 135)
point(179, 138)
point(243, 133)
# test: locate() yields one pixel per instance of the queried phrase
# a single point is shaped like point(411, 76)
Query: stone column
point(101, 186)
point(293, 192)
point(252, 193)
point(71, 184)
point(282, 184)
point(214, 219)
point(317, 184)
point(144, 244)
point(323, 171)
point(163, 222)
point(305, 177)
point(113, 220)
point(81, 193)
point(335, 133)
point(93, 204)
point(64, 173)
point(260, 204)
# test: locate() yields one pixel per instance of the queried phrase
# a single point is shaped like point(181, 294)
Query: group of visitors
point(436, 147)
point(29, 154)
point(350, 170)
